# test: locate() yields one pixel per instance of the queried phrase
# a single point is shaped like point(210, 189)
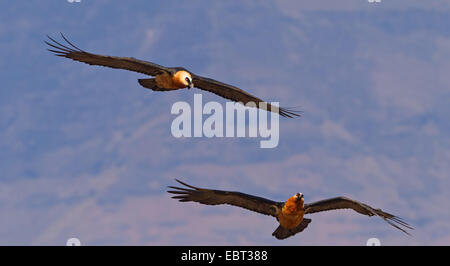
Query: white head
point(184, 78)
point(298, 196)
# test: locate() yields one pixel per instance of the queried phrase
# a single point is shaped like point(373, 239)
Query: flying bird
point(289, 214)
point(165, 78)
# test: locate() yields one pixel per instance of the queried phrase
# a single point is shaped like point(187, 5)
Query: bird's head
point(189, 82)
point(294, 203)
point(184, 78)
point(299, 198)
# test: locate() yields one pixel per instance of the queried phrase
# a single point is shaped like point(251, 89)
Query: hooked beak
point(191, 85)
point(299, 196)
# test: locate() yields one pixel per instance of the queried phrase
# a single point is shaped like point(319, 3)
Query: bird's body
point(166, 78)
point(290, 214)
point(173, 82)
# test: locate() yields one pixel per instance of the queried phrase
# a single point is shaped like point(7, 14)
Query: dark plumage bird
point(165, 78)
point(289, 214)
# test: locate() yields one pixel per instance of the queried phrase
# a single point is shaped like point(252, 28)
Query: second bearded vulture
point(289, 214)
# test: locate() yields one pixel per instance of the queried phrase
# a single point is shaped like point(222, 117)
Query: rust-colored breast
point(292, 214)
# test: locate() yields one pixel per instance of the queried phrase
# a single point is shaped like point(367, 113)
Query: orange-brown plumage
point(291, 214)
point(175, 81)
point(179, 78)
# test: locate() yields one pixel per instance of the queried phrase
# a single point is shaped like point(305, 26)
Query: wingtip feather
point(289, 113)
point(187, 185)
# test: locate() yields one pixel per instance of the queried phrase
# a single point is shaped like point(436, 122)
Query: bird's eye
point(188, 79)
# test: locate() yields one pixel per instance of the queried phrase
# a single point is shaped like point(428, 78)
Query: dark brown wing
point(216, 197)
point(128, 63)
point(347, 203)
point(237, 95)
point(283, 233)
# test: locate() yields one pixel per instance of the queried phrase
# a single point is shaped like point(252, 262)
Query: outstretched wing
point(347, 203)
point(237, 95)
point(71, 51)
point(216, 197)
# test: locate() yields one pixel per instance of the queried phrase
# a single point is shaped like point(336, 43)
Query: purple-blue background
point(86, 152)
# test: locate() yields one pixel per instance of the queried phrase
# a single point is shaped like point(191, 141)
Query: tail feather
point(148, 83)
point(283, 233)
point(151, 84)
